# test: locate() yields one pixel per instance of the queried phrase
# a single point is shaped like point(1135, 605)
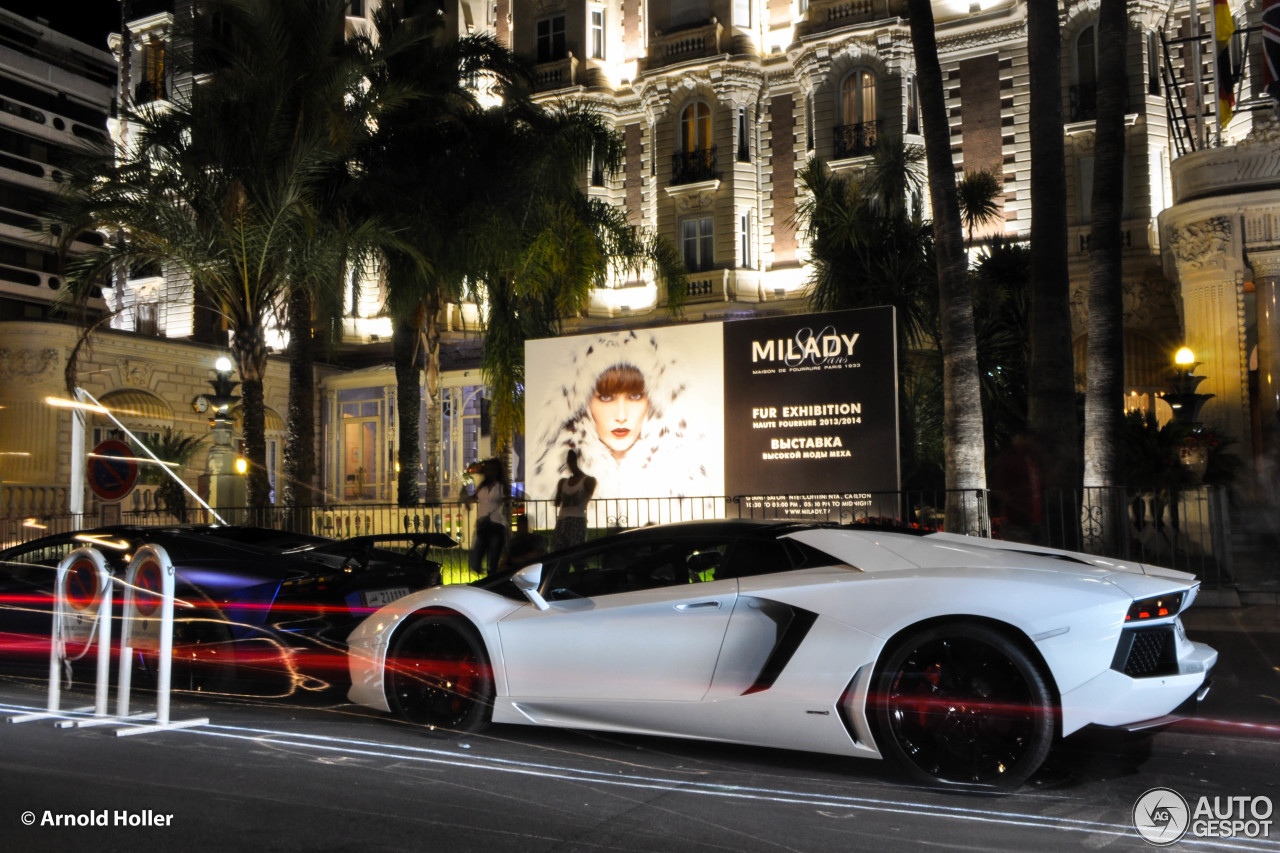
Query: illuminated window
point(697, 243)
point(597, 33)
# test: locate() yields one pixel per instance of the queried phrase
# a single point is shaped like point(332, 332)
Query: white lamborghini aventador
point(961, 659)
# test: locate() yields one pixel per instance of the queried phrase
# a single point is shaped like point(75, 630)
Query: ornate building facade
point(721, 103)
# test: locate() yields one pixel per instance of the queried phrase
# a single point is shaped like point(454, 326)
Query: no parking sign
point(148, 589)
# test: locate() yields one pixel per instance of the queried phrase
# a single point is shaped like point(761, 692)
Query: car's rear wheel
point(204, 658)
point(438, 675)
point(962, 704)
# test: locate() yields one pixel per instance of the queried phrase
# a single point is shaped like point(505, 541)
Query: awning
point(272, 420)
point(133, 406)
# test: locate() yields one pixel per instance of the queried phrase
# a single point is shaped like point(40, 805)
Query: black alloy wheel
point(204, 659)
point(438, 675)
point(962, 704)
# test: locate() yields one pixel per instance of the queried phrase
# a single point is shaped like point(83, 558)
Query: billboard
point(801, 404)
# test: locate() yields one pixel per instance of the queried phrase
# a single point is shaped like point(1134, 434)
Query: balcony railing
point(557, 74)
point(686, 44)
point(856, 140)
point(691, 167)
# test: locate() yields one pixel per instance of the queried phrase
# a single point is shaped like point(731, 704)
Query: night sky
point(90, 21)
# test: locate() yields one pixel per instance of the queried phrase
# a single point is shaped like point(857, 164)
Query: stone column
point(226, 485)
point(1266, 281)
point(1210, 266)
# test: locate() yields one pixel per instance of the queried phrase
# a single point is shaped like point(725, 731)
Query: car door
point(636, 619)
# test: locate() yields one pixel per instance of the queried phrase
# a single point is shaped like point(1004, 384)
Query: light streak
point(63, 403)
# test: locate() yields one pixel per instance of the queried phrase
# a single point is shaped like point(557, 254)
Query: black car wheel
point(962, 704)
point(438, 675)
point(203, 661)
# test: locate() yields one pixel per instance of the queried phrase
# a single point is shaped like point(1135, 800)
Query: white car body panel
point(655, 645)
point(710, 660)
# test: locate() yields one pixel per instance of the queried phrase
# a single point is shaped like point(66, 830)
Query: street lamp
point(1184, 400)
point(223, 396)
point(225, 483)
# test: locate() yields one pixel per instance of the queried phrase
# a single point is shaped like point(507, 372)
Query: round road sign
point(146, 598)
point(81, 585)
point(112, 469)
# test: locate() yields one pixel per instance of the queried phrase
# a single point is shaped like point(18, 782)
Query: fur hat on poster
point(660, 460)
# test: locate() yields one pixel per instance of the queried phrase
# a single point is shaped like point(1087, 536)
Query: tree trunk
point(1051, 388)
point(430, 329)
point(404, 342)
point(964, 445)
point(1104, 396)
point(250, 349)
point(300, 443)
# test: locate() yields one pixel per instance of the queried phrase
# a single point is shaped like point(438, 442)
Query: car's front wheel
point(962, 703)
point(438, 675)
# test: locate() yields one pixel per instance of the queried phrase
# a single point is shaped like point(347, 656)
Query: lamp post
point(1184, 400)
point(226, 483)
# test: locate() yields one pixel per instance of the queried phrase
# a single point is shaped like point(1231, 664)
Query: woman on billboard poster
point(621, 406)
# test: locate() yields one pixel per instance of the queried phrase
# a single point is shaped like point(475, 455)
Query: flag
point(1224, 27)
point(1271, 48)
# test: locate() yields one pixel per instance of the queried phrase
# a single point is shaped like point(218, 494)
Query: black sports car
point(256, 609)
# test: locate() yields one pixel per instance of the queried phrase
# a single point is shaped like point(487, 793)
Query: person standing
point(492, 524)
point(573, 493)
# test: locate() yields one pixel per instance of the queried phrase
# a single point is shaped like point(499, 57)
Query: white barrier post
point(81, 614)
point(149, 586)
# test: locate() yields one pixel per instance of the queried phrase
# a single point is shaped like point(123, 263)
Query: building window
point(742, 13)
point(696, 243)
point(808, 121)
point(551, 44)
point(597, 170)
point(696, 158)
point(744, 240)
point(744, 143)
point(913, 105)
point(856, 133)
point(152, 86)
point(363, 443)
point(1083, 94)
point(355, 9)
point(1153, 63)
point(148, 322)
point(597, 33)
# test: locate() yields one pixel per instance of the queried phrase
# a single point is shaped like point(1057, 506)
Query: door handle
point(698, 605)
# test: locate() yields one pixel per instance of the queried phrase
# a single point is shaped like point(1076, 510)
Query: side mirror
point(527, 580)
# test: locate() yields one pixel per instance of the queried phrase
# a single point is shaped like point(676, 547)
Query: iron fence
point(1186, 529)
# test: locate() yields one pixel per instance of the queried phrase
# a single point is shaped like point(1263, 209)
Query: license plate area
point(382, 597)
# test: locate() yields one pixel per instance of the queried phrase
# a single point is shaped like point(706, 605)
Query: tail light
point(1157, 607)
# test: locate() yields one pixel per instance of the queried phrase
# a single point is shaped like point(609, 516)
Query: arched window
point(696, 158)
point(857, 128)
point(1084, 91)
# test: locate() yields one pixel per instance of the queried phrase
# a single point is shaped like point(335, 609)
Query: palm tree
point(419, 168)
point(1104, 395)
point(1051, 392)
point(175, 449)
point(544, 245)
point(870, 243)
point(964, 441)
point(222, 185)
point(978, 194)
